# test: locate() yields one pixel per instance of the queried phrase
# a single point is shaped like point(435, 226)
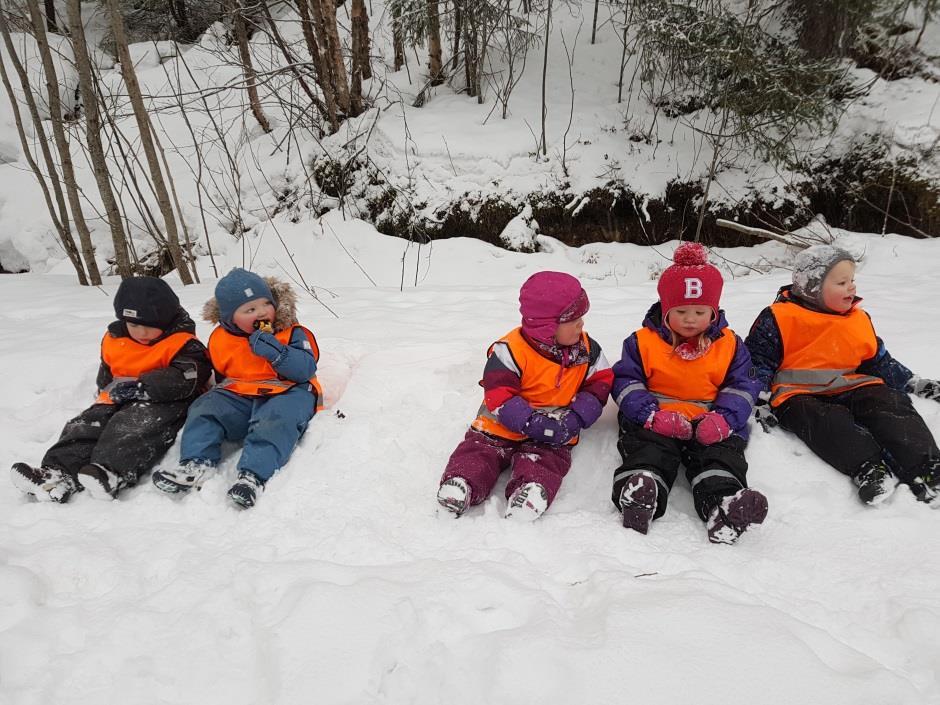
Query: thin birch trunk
point(61, 141)
point(65, 236)
point(146, 141)
point(93, 134)
point(322, 72)
point(248, 69)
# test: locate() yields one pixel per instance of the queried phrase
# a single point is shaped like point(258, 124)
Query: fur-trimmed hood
point(285, 314)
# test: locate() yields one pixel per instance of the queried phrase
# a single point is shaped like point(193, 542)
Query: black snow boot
point(45, 484)
point(875, 482)
point(926, 484)
point(100, 482)
point(246, 490)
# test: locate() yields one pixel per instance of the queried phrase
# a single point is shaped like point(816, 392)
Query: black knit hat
point(147, 301)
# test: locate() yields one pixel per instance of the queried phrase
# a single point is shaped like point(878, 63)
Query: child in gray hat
point(832, 382)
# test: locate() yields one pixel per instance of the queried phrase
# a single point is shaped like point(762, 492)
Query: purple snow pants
point(480, 458)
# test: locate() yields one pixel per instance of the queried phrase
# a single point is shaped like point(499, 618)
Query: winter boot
point(926, 485)
point(45, 484)
point(454, 495)
point(734, 514)
point(100, 482)
point(638, 501)
point(875, 482)
point(246, 490)
point(528, 502)
point(182, 478)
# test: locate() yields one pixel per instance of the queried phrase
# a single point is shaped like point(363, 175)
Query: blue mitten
point(267, 346)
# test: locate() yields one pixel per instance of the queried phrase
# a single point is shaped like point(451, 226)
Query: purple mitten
point(711, 428)
point(514, 414)
point(547, 428)
point(671, 424)
point(587, 407)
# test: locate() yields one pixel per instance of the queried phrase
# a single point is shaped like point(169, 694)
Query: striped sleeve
point(502, 378)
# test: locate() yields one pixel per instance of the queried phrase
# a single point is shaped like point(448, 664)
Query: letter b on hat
point(693, 288)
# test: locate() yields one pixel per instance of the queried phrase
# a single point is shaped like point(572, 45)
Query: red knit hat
point(690, 281)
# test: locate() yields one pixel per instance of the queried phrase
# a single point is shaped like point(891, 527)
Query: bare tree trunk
point(322, 73)
point(435, 72)
point(458, 29)
point(65, 236)
point(398, 41)
point(360, 20)
point(51, 25)
point(146, 141)
point(360, 58)
point(180, 15)
point(62, 144)
point(93, 134)
point(248, 69)
point(324, 19)
point(548, 26)
point(594, 23)
point(292, 60)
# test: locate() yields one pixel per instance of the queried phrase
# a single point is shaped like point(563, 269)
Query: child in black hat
point(152, 368)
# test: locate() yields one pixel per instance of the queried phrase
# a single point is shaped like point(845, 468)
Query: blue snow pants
point(270, 427)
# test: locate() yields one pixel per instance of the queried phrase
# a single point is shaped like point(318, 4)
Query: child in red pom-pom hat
point(685, 391)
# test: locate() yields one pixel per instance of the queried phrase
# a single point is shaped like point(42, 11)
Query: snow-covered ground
point(346, 584)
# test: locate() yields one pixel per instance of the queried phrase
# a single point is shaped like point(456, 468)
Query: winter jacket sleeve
point(185, 377)
point(591, 397)
point(299, 364)
point(104, 376)
point(629, 390)
point(766, 348)
point(883, 365)
point(739, 390)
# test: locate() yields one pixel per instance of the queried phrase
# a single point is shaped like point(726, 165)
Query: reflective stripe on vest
point(128, 360)
point(251, 375)
point(821, 351)
point(541, 386)
point(686, 386)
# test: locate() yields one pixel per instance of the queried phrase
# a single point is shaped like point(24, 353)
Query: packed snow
point(348, 584)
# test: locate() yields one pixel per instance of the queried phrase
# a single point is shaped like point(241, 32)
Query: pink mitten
point(670, 423)
point(711, 428)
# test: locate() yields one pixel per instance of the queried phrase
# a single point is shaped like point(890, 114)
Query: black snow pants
point(714, 471)
point(127, 439)
point(851, 428)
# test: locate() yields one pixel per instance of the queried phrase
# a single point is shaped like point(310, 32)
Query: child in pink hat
point(543, 383)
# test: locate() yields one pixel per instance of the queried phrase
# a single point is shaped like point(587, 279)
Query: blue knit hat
point(237, 287)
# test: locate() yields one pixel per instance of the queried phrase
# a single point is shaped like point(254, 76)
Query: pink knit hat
point(690, 281)
point(547, 299)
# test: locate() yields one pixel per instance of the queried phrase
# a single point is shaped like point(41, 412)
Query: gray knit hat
point(811, 267)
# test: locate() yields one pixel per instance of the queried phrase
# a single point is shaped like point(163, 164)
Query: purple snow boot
point(638, 501)
point(735, 514)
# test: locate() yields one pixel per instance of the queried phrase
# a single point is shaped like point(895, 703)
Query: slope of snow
point(346, 584)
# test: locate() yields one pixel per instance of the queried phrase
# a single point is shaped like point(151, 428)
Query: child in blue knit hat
point(266, 389)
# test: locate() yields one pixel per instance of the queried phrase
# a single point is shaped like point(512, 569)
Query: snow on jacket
point(300, 363)
point(187, 375)
point(736, 393)
point(765, 344)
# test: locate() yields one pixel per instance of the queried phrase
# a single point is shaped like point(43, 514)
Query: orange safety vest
point(686, 386)
point(541, 385)
point(251, 375)
point(821, 351)
point(128, 360)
